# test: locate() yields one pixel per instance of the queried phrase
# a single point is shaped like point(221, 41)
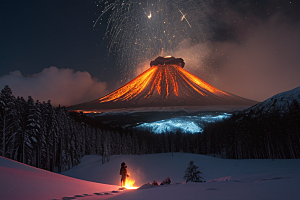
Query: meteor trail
point(183, 16)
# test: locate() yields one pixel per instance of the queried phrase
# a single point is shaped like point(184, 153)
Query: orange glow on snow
point(86, 111)
point(162, 80)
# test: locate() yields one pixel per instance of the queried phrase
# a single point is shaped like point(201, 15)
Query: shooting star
point(183, 16)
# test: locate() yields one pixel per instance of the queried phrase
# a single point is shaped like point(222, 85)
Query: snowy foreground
point(225, 179)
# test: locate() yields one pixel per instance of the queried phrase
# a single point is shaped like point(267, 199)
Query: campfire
point(129, 184)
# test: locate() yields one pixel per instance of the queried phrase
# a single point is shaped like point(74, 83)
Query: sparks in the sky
point(136, 39)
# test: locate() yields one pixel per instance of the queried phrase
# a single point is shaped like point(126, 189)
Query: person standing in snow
point(123, 173)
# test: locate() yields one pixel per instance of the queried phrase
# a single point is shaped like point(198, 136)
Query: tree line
point(40, 135)
point(261, 135)
point(51, 138)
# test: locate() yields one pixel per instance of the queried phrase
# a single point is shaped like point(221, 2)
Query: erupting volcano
point(164, 84)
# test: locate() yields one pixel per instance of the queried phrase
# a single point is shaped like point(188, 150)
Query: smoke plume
point(265, 63)
point(253, 57)
point(62, 86)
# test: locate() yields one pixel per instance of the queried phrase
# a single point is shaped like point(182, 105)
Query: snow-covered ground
point(225, 179)
point(22, 182)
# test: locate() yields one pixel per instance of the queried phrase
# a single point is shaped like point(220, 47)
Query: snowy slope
point(281, 102)
point(226, 178)
point(19, 181)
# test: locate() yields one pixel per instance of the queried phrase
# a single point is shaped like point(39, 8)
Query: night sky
point(50, 49)
point(39, 34)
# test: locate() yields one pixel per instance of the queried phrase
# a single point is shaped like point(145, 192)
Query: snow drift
point(20, 181)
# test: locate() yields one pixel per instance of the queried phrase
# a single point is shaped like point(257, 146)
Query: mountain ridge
point(280, 102)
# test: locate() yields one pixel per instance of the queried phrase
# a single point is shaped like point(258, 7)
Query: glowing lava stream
point(163, 80)
point(164, 84)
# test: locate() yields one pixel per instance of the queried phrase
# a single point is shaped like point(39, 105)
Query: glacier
point(185, 124)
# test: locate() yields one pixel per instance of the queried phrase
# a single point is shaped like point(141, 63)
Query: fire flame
point(129, 184)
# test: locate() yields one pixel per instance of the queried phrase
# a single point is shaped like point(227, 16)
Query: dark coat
point(123, 172)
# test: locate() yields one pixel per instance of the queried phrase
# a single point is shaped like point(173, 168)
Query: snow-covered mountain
point(280, 102)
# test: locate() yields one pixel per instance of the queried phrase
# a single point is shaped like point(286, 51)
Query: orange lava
point(201, 83)
point(163, 80)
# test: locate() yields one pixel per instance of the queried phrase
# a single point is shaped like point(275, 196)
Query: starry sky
point(51, 47)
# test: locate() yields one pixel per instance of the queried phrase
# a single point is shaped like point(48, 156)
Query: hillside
point(269, 129)
point(20, 181)
point(280, 102)
point(225, 179)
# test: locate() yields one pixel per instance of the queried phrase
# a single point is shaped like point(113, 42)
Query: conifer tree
point(135, 144)
point(105, 147)
point(46, 134)
point(129, 144)
point(7, 113)
point(192, 173)
point(33, 131)
point(21, 124)
point(124, 144)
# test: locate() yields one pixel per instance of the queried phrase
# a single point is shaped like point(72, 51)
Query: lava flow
point(164, 84)
point(166, 77)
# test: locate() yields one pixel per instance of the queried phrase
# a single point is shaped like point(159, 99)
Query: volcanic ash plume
point(164, 84)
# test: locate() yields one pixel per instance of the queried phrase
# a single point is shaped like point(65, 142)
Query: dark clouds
point(254, 50)
point(264, 64)
point(262, 58)
point(61, 86)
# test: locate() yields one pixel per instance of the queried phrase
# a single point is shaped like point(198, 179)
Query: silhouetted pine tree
point(118, 143)
point(20, 123)
point(7, 122)
point(192, 173)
